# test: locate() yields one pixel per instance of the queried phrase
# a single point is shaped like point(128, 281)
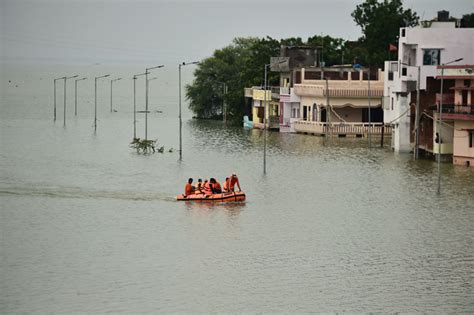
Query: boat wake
point(80, 193)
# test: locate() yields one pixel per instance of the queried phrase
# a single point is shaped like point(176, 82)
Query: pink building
point(460, 111)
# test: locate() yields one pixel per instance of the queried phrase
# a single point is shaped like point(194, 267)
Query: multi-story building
point(453, 136)
point(289, 64)
point(422, 48)
point(351, 94)
point(258, 98)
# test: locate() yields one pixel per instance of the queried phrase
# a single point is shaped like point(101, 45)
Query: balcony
point(248, 92)
point(342, 89)
point(342, 129)
point(457, 112)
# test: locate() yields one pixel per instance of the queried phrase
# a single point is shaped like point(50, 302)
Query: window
point(392, 103)
point(403, 32)
point(394, 67)
point(404, 71)
point(464, 97)
point(390, 76)
point(471, 136)
point(431, 57)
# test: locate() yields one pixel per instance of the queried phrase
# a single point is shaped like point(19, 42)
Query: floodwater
point(88, 225)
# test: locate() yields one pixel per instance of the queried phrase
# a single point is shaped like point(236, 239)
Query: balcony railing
point(458, 109)
point(343, 129)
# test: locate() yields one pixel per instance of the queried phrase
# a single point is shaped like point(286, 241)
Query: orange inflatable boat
point(223, 197)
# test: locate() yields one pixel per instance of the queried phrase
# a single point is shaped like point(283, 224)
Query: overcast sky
point(140, 32)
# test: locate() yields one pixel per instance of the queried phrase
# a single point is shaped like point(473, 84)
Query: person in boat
point(234, 180)
point(226, 184)
point(207, 187)
point(189, 188)
point(215, 186)
point(199, 187)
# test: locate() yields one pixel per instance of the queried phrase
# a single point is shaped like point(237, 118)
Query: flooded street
point(89, 225)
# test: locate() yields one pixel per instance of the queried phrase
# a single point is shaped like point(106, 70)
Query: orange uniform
point(208, 188)
point(188, 189)
point(226, 185)
point(232, 182)
point(217, 188)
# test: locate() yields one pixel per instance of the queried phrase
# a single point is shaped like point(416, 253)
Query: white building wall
point(452, 42)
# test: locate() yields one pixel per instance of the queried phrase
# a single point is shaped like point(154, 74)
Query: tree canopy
point(238, 65)
point(467, 20)
point(380, 22)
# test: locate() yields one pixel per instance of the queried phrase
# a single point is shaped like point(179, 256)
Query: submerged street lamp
point(111, 82)
point(265, 116)
point(417, 112)
point(225, 89)
point(54, 115)
point(95, 100)
point(179, 116)
point(75, 95)
point(265, 121)
point(65, 79)
point(440, 121)
point(146, 98)
point(369, 99)
point(135, 104)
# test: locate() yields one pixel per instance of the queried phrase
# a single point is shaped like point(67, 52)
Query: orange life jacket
point(233, 181)
point(217, 187)
point(226, 185)
point(208, 188)
point(188, 189)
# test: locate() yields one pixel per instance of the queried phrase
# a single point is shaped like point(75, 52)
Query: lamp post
point(75, 95)
point(179, 116)
point(95, 100)
point(54, 115)
point(265, 117)
point(135, 104)
point(224, 108)
point(328, 110)
point(146, 98)
point(265, 121)
point(417, 111)
point(65, 79)
point(111, 84)
point(440, 122)
point(369, 99)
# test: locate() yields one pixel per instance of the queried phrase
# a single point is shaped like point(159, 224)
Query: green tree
point(333, 49)
point(238, 65)
point(380, 22)
point(467, 20)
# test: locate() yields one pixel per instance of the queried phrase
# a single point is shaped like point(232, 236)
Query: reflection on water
point(90, 226)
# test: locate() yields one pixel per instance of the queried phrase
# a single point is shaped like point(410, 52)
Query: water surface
point(89, 225)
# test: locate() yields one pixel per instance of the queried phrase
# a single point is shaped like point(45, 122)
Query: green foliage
point(380, 22)
point(467, 20)
point(238, 65)
point(333, 49)
point(146, 146)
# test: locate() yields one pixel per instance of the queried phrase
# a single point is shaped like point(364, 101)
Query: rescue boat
point(223, 197)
